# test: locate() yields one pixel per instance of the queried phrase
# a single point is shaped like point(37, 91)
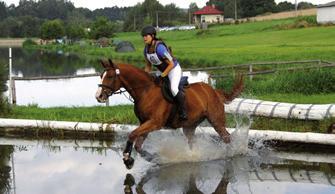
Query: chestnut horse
point(154, 112)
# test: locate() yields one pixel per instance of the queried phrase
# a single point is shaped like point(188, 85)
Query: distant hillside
point(283, 15)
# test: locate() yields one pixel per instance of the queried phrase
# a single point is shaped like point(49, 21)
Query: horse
point(155, 112)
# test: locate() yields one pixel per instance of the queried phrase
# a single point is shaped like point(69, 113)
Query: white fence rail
point(318, 138)
point(281, 110)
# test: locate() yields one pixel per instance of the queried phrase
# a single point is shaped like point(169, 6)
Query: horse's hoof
point(129, 162)
point(226, 139)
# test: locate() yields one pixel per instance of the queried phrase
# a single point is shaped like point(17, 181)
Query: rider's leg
point(174, 77)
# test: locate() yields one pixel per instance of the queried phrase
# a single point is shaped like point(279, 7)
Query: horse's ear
point(102, 63)
point(111, 63)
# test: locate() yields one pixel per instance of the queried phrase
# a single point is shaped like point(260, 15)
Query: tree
point(30, 26)
point(26, 7)
point(149, 8)
point(54, 9)
point(10, 27)
point(171, 15)
point(102, 27)
point(305, 5)
point(229, 8)
point(53, 29)
point(75, 32)
point(285, 6)
point(3, 10)
point(251, 8)
point(193, 7)
point(134, 19)
point(219, 4)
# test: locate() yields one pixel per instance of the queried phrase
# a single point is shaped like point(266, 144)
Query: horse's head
point(110, 81)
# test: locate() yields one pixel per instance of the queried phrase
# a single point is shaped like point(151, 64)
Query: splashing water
point(172, 146)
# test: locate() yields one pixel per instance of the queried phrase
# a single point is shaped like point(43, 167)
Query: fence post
point(13, 89)
point(10, 76)
point(250, 71)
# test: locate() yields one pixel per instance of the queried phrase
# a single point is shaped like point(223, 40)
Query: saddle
point(165, 87)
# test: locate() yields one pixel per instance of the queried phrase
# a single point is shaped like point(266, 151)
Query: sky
point(126, 3)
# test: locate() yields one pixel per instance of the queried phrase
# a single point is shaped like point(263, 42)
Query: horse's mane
point(136, 71)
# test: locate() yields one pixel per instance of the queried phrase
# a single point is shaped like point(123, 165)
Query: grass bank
point(125, 115)
point(230, 44)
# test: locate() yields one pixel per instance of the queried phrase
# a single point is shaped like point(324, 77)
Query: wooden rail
point(277, 70)
point(252, 64)
point(56, 77)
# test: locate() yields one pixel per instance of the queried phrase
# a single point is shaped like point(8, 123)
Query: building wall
point(325, 15)
point(209, 18)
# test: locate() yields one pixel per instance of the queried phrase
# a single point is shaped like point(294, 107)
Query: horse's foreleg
point(189, 133)
point(143, 129)
point(139, 142)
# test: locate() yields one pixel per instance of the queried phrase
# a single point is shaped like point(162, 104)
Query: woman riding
point(158, 54)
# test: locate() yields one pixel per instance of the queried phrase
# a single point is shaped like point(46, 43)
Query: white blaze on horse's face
point(99, 95)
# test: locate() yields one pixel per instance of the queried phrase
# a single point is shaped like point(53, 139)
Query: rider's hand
point(163, 74)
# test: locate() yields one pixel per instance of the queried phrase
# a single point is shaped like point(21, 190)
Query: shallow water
point(84, 166)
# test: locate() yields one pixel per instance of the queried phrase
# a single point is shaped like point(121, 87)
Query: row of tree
point(32, 18)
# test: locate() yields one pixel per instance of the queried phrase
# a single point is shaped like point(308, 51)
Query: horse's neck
point(135, 81)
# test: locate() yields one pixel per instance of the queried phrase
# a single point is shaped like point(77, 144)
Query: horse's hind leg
point(189, 133)
point(217, 120)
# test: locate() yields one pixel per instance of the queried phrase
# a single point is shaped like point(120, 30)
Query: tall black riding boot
point(180, 100)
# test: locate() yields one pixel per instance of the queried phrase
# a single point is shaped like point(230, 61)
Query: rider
point(158, 54)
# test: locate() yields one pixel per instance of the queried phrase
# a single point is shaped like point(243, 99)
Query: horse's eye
point(110, 77)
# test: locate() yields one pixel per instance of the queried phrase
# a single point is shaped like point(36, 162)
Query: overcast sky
point(126, 3)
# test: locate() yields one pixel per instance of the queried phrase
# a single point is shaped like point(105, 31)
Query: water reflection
point(5, 168)
point(32, 63)
point(42, 169)
point(64, 92)
point(238, 175)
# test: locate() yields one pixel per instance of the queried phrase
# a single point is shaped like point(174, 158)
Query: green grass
point(231, 44)
point(112, 114)
point(299, 98)
point(125, 115)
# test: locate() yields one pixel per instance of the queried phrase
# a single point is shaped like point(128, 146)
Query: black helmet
point(148, 30)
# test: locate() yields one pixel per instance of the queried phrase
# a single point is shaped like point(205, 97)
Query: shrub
point(4, 106)
point(29, 42)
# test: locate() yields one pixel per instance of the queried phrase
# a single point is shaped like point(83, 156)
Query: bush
point(4, 106)
point(29, 42)
point(311, 20)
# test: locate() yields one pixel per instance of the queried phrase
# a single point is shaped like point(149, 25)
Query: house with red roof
point(208, 14)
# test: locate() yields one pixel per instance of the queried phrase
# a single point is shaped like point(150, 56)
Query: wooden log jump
point(316, 138)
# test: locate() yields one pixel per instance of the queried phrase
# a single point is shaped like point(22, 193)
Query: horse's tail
point(236, 91)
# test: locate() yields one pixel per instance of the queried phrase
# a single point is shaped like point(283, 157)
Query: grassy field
point(231, 44)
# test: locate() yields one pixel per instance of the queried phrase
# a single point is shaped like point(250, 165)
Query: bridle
point(103, 86)
point(111, 90)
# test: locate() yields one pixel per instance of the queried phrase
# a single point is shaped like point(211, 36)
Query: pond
point(85, 166)
point(61, 92)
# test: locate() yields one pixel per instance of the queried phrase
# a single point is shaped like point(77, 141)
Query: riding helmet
point(148, 30)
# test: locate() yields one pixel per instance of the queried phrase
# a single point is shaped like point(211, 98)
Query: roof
point(208, 10)
point(330, 4)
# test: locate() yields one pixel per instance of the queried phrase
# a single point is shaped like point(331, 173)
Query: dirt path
point(13, 42)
